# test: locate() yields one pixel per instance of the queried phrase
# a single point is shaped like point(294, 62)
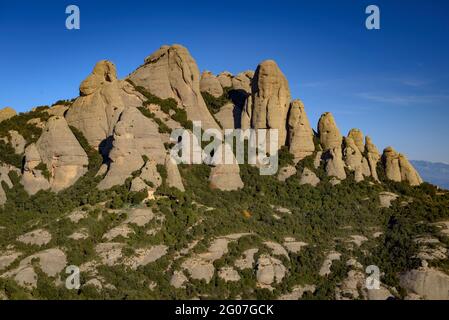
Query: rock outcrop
point(210, 84)
point(5, 169)
point(7, 113)
point(373, 157)
point(270, 99)
point(398, 168)
point(32, 178)
point(171, 72)
point(331, 141)
point(103, 98)
point(309, 177)
point(135, 137)
point(300, 134)
point(354, 159)
point(174, 179)
point(60, 153)
point(428, 283)
point(17, 141)
point(357, 136)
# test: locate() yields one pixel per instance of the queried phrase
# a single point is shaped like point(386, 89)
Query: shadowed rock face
point(103, 98)
point(373, 157)
point(331, 141)
point(300, 134)
point(354, 159)
point(134, 136)
point(270, 99)
point(171, 72)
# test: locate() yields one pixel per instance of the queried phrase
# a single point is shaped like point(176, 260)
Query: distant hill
point(433, 172)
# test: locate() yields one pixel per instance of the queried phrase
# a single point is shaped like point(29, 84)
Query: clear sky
point(392, 83)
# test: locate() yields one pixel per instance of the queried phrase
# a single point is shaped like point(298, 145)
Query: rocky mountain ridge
point(89, 182)
point(106, 113)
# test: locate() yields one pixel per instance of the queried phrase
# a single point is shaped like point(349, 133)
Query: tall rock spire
point(300, 134)
point(270, 99)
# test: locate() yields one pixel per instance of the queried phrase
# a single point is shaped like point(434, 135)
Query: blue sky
point(392, 83)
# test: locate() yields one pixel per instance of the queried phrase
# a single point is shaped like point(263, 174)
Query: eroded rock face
point(174, 179)
point(32, 179)
point(357, 136)
point(171, 72)
point(17, 141)
point(210, 84)
point(51, 262)
point(300, 134)
point(373, 157)
point(7, 113)
point(331, 141)
point(335, 167)
point(5, 169)
point(398, 168)
point(330, 136)
point(134, 136)
point(242, 81)
point(309, 177)
point(428, 283)
point(355, 161)
point(102, 100)
point(408, 172)
point(225, 79)
point(271, 99)
point(269, 270)
point(59, 150)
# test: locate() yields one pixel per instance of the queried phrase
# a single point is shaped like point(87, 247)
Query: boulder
point(209, 83)
point(286, 172)
point(300, 134)
point(135, 136)
point(7, 113)
point(309, 177)
point(270, 99)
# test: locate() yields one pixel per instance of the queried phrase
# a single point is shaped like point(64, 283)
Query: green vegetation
point(214, 104)
point(168, 106)
point(44, 170)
